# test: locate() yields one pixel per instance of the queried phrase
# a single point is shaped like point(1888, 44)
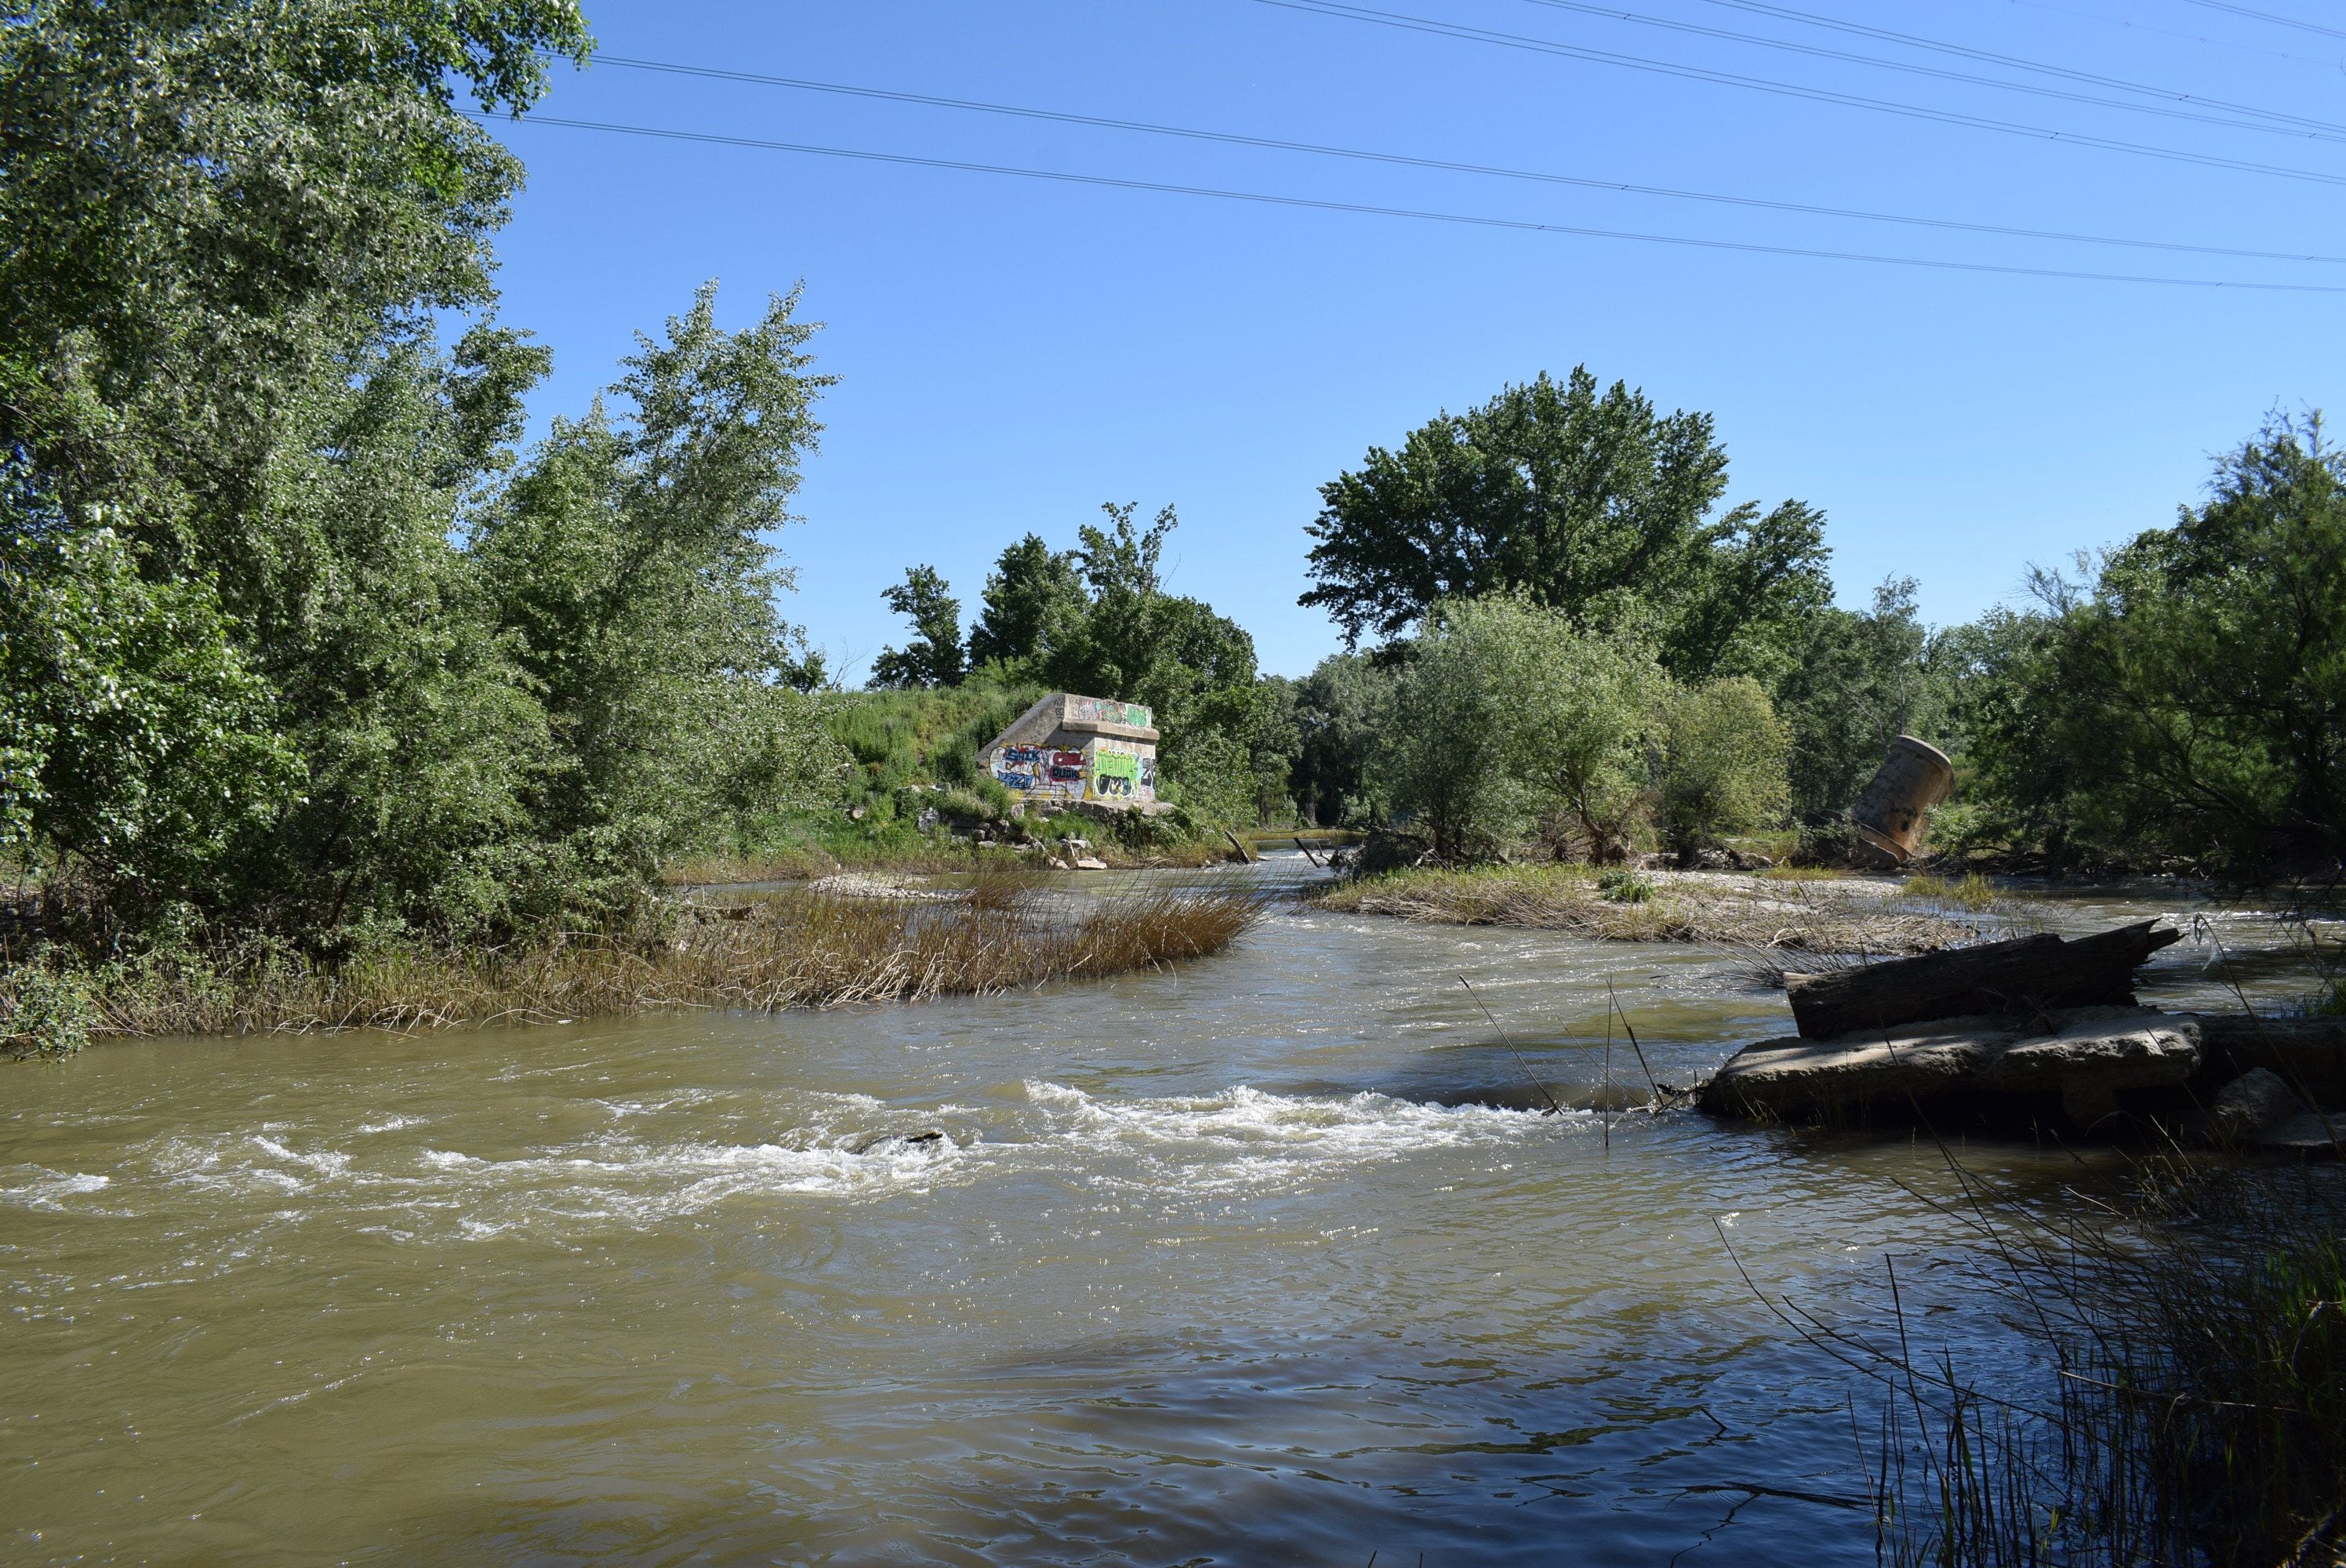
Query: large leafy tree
point(631, 561)
point(234, 449)
point(1033, 593)
point(1592, 503)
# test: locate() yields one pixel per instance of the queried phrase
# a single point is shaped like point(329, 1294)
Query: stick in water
point(1608, 1081)
point(1553, 1108)
point(1640, 1050)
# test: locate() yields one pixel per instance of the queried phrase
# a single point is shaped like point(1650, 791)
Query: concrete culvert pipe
point(1915, 777)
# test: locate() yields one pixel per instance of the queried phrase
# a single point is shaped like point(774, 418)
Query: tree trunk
point(2025, 975)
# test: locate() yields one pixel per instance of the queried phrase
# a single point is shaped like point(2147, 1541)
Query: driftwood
point(2026, 975)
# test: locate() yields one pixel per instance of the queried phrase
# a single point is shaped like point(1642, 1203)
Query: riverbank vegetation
point(2193, 1407)
point(808, 948)
point(1582, 655)
point(302, 646)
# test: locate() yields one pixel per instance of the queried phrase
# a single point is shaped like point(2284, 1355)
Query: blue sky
point(1014, 351)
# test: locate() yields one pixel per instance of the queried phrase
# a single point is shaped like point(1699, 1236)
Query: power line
point(2269, 16)
point(2014, 62)
point(1331, 8)
point(2201, 39)
point(1408, 161)
point(2308, 129)
point(1371, 210)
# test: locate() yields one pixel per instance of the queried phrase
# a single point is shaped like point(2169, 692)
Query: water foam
point(818, 1147)
point(39, 1187)
point(1245, 1137)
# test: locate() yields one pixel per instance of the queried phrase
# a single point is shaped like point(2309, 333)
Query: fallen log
point(2026, 975)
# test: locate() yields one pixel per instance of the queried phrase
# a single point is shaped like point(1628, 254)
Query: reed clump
point(800, 949)
point(2194, 1409)
point(1747, 912)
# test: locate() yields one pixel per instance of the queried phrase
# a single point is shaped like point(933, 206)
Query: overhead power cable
point(2304, 130)
point(1406, 160)
point(1332, 8)
point(1371, 209)
point(2204, 40)
point(2269, 16)
point(2015, 62)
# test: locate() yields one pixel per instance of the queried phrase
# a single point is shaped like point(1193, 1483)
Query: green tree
point(1033, 592)
point(1583, 716)
point(1337, 709)
point(1862, 679)
point(1722, 763)
point(1504, 712)
point(933, 658)
point(1592, 503)
point(2190, 702)
point(630, 562)
point(230, 226)
point(135, 740)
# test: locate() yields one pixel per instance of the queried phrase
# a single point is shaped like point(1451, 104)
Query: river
point(1263, 1261)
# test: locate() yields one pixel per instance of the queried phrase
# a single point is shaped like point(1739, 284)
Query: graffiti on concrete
point(1108, 710)
point(1040, 771)
point(1115, 775)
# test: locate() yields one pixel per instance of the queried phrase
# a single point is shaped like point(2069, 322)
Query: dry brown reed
point(1706, 907)
point(803, 950)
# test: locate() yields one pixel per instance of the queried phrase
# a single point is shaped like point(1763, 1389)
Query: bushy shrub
point(1624, 887)
point(44, 1012)
point(1504, 708)
point(1721, 764)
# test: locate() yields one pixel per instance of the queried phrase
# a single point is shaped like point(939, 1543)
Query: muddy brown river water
point(1265, 1261)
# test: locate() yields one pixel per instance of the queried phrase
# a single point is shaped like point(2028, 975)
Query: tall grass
point(2194, 1408)
point(800, 950)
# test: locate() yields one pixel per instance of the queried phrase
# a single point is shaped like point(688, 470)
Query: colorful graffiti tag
point(1115, 775)
point(1106, 710)
point(1040, 771)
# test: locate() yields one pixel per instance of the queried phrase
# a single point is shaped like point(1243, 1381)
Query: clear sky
point(1015, 351)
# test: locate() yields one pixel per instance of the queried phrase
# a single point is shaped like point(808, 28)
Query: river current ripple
point(1269, 1261)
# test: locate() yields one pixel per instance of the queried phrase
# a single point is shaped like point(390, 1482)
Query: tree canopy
point(1588, 501)
point(295, 637)
point(934, 656)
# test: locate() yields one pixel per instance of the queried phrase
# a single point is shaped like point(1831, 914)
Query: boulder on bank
point(2083, 1057)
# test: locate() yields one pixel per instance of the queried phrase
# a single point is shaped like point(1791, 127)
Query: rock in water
point(2253, 1106)
point(2084, 1055)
